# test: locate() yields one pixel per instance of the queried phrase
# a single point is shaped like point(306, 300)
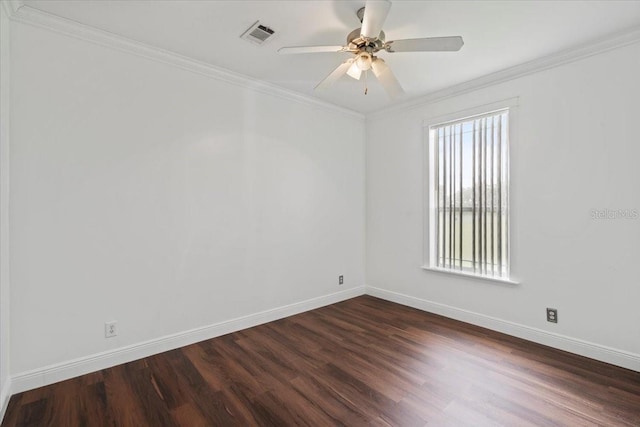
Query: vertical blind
point(471, 194)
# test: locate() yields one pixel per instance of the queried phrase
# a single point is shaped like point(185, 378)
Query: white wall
point(4, 210)
point(576, 150)
point(166, 200)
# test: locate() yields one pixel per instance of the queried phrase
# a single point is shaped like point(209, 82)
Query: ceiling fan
point(365, 42)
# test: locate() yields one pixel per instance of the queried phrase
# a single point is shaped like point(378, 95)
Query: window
point(469, 195)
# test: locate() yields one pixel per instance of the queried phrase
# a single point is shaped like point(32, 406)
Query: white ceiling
point(497, 35)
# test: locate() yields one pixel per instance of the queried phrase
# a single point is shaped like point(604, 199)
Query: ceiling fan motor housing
point(356, 42)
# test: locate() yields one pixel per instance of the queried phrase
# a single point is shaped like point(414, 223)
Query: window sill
point(472, 276)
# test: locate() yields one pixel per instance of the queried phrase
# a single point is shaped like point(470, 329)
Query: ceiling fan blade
point(430, 44)
point(335, 74)
point(311, 49)
point(386, 78)
point(375, 13)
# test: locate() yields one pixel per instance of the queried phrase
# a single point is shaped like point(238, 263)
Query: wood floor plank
point(333, 404)
point(122, 403)
point(148, 397)
point(32, 414)
point(189, 415)
point(361, 362)
point(92, 405)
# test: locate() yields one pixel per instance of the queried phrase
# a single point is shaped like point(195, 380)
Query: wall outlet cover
point(110, 329)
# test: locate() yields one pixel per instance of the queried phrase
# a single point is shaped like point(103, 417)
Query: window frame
point(429, 253)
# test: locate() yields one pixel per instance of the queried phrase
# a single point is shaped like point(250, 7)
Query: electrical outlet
point(110, 329)
point(552, 315)
point(340, 280)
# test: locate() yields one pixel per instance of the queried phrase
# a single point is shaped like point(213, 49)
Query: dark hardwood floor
point(360, 362)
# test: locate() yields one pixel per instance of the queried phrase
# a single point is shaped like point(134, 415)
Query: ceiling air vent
point(257, 33)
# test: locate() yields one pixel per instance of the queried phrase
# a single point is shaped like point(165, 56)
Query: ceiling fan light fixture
point(363, 61)
point(354, 71)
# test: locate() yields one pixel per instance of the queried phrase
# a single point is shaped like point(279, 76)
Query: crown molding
point(19, 12)
point(12, 6)
point(25, 14)
point(614, 41)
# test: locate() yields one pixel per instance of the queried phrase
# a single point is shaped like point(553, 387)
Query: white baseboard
point(51, 374)
point(5, 395)
point(62, 371)
point(562, 342)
